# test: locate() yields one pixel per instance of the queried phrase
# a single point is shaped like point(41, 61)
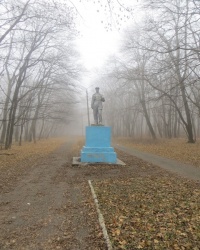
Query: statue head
point(97, 89)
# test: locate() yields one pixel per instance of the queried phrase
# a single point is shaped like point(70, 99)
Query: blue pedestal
point(98, 145)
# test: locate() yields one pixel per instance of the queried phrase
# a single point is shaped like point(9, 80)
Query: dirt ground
point(48, 204)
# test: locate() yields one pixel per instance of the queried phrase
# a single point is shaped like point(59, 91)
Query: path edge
point(100, 217)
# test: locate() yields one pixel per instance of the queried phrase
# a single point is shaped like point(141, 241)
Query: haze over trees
point(38, 73)
point(153, 86)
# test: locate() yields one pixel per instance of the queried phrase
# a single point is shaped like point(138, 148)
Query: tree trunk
point(146, 115)
point(5, 114)
point(189, 127)
point(16, 133)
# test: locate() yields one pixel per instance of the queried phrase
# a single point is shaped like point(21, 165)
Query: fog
point(143, 55)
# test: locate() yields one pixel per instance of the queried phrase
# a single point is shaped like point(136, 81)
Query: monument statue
point(97, 106)
point(98, 138)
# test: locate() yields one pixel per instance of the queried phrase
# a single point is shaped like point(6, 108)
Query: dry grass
point(29, 151)
point(177, 149)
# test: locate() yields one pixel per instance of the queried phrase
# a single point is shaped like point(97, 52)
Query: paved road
point(182, 169)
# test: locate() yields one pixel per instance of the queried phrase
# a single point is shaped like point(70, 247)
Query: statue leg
point(95, 113)
point(100, 116)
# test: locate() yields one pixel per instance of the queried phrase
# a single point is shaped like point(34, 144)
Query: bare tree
point(31, 44)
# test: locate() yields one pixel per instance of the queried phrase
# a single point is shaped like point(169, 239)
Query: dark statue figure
point(97, 106)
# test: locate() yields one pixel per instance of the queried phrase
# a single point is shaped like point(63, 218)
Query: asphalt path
point(184, 170)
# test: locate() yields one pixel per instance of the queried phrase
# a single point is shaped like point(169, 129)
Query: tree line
point(38, 69)
point(153, 84)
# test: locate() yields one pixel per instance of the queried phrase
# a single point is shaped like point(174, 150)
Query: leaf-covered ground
point(16, 161)
point(177, 149)
point(29, 151)
point(150, 210)
point(46, 202)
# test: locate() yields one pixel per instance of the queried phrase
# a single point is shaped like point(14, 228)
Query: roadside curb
point(100, 216)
